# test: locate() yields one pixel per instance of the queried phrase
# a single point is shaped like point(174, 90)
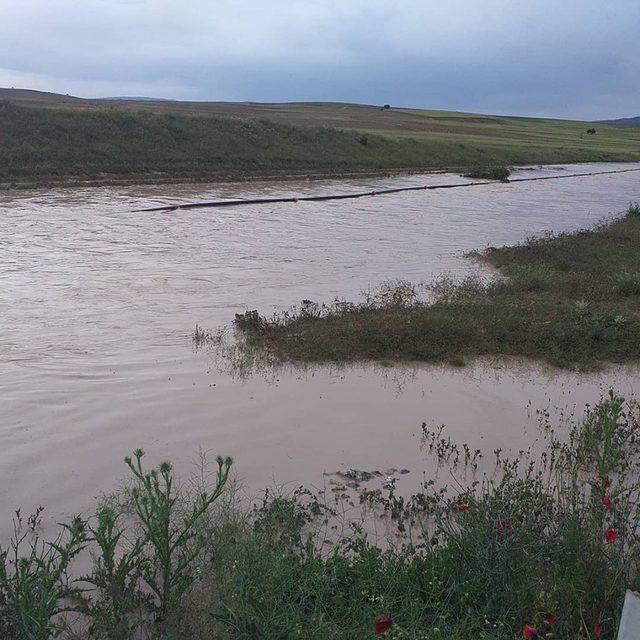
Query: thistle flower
point(611, 535)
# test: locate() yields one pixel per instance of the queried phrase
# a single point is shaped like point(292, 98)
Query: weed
point(634, 209)
point(628, 284)
point(34, 585)
point(116, 603)
point(168, 573)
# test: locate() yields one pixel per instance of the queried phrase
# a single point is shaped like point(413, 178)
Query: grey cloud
point(578, 58)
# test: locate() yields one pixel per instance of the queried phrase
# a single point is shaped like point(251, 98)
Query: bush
point(628, 284)
point(489, 173)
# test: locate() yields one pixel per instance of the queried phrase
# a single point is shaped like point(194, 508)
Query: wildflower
point(529, 632)
point(606, 501)
point(504, 525)
point(464, 507)
point(383, 624)
point(597, 630)
point(551, 619)
point(611, 535)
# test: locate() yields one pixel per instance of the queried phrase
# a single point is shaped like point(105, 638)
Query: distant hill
point(137, 99)
point(52, 138)
point(627, 122)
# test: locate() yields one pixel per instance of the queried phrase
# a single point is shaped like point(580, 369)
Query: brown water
point(98, 305)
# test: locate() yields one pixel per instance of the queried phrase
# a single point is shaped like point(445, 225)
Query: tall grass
point(544, 544)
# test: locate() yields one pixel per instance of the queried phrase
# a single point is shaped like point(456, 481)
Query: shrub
point(34, 587)
point(489, 173)
point(628, 284)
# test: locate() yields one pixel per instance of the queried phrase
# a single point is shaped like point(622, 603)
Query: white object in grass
point(630, 620)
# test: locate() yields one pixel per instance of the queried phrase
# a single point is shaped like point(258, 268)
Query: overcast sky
point(564, 58)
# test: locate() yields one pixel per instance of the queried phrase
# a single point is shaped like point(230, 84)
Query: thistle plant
point(34, 587)
point(116, 596)
point(171, 535)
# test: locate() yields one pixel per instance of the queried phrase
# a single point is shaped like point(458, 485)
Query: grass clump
point(489, 173)
point(634, 209)
point(572, 300)
point(547, 541)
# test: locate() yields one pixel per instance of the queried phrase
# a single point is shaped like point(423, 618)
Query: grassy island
point(572, 300)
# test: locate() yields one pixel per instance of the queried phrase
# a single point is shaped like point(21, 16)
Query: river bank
point(541, 546)
point(94, 143)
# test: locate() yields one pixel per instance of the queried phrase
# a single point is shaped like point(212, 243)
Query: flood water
point(99, 303)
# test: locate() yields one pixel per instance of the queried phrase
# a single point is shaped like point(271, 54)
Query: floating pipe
point(362, 194)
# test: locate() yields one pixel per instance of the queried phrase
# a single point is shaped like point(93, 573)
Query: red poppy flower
point(606, 501)
point(607, 481)
point(597, 630)
point(551, 619)
point(529, 632)
point(383, 624)
point(611, 535)
point(504, 525)
point(464, 507)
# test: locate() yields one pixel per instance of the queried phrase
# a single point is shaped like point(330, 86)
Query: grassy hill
point(51, 138)
point(625, 122)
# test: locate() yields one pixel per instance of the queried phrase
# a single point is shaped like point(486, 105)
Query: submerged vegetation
point(67, 141)
point(542, 545)
point(572, 300)
point(489, 173)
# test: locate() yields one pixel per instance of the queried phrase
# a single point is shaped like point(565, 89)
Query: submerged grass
point(545, 544)
point(489, 173)
point(572, 300)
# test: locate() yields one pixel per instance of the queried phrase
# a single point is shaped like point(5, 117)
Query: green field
point(47, 138)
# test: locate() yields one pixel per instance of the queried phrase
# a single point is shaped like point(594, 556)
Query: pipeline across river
point(362, 194)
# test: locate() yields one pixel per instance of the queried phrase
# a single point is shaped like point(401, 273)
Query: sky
point(562, 58)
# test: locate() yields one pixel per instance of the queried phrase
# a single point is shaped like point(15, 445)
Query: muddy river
point(98, 306)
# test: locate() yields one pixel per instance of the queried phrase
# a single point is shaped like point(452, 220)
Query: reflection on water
point(98, 306)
